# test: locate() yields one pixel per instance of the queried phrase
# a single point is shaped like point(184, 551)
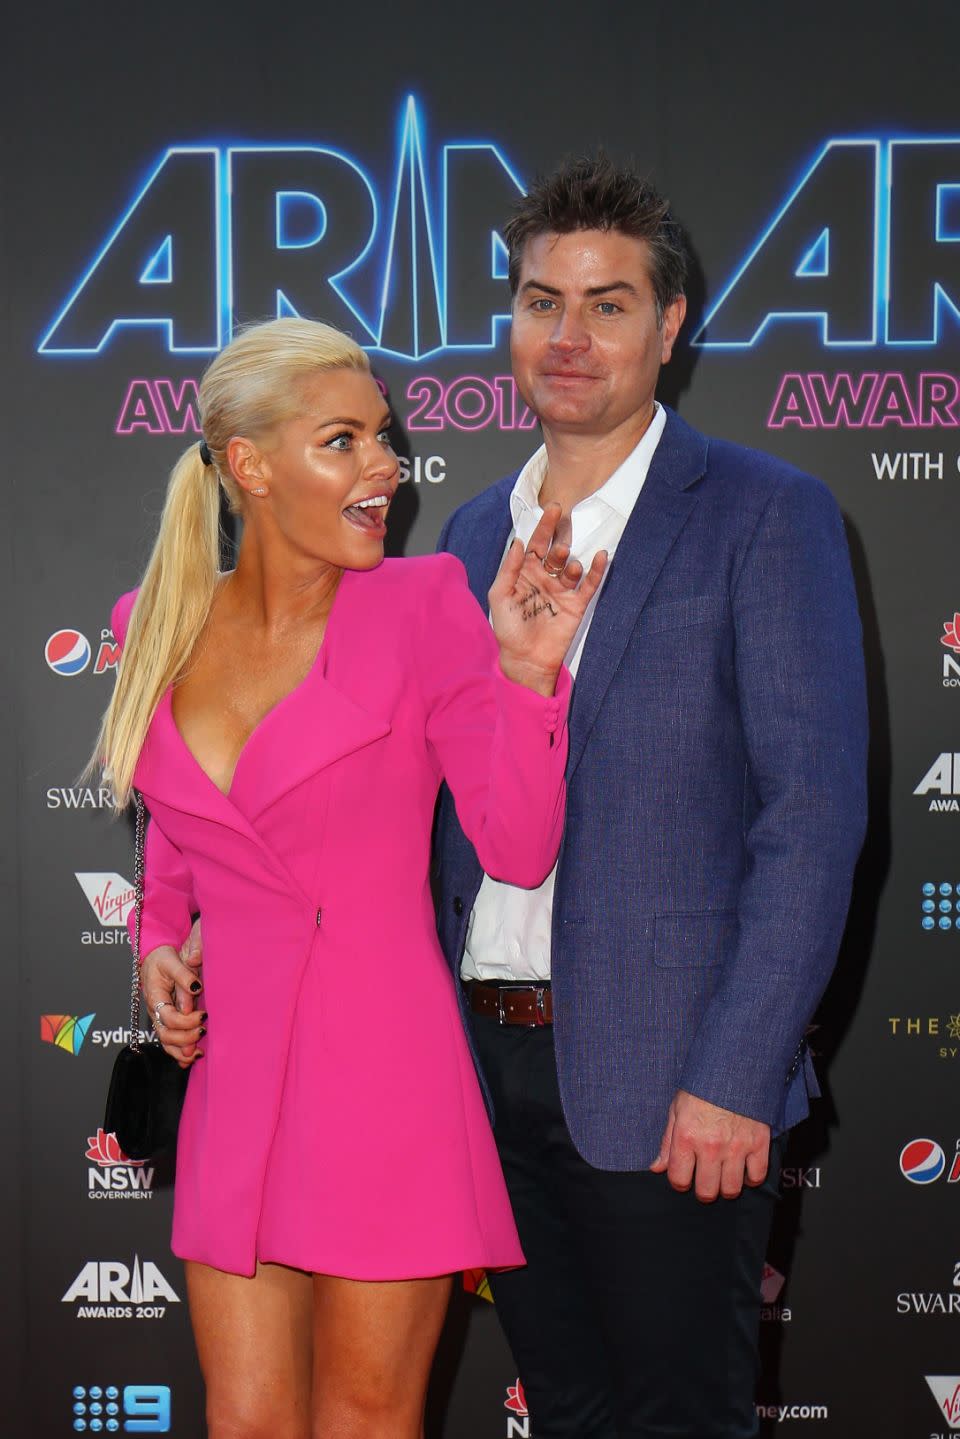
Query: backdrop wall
point(172, 170)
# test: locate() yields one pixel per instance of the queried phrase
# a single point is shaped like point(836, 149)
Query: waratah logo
point(516, 1400)
point(66, 1031)
point(105, 1150)
point(771, 1284)
point(951, 634)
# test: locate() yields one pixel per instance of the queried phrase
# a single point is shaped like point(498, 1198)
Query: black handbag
point(146, 1086)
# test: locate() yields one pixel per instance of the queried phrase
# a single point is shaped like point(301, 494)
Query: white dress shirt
point(508, 936)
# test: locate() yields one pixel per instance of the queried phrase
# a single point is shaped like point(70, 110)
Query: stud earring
point(260, 490)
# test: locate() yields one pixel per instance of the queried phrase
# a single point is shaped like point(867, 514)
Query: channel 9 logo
point(134, 1409)
point(940, 906)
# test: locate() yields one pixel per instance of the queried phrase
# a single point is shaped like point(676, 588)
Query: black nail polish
point(196, 987)
point(204, 1017)
point(202, 1032)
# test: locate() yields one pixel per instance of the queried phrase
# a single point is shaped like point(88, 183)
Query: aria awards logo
point(110, 1289)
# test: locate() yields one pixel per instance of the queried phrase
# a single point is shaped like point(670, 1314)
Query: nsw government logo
point(518, 1417)
point(113, 1174)
point(950, 639)
point(107, 1289)
point(111, 897)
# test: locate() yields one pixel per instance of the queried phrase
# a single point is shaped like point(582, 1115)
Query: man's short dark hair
point(592, 193)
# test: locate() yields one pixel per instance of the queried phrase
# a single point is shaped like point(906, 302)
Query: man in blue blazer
point(639, 1020)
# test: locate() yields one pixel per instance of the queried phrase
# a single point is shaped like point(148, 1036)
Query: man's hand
point(711, 1148)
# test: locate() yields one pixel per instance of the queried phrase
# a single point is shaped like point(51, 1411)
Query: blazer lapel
point(313, 727)
point(168, 773)
point(660, 513)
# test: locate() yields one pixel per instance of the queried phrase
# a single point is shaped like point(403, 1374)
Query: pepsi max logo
point(922, 1161)
point(67, 652)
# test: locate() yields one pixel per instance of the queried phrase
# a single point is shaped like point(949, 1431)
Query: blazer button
point(319, 915)
point(458, 905)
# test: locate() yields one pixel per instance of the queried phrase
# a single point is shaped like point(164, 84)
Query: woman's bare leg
point(253, 1337)
point(373, 1348)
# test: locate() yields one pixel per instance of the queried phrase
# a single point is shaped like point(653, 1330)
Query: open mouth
point(369, 515)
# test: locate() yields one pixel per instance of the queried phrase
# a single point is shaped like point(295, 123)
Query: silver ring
point(554, 574)
point(156, 1013)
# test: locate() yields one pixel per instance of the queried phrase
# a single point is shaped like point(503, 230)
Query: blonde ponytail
point(169, 614)
point(252, 386)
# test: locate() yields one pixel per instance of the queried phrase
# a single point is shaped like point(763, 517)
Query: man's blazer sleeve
point(802, 696)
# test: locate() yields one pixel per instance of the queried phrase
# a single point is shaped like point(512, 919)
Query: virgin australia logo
point(945, 1388)
point(111, 897)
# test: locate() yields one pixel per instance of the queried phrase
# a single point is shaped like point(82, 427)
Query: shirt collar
point(618, 493)
point(526, 490)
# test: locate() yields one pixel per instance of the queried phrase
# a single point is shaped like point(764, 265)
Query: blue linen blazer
point(716, 796)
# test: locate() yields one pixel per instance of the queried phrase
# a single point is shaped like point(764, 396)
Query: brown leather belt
point(529, 1004)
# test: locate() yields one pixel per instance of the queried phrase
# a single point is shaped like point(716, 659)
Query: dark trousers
point(638, 1311)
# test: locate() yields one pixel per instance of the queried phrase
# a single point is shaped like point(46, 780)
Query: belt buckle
point(539, 1002)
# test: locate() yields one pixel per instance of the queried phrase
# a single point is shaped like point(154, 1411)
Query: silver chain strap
point(138, 871)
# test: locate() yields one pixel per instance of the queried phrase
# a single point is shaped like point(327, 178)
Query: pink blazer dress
point(335, 1122)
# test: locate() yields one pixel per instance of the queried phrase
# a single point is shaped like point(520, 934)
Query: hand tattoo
point(535, 603)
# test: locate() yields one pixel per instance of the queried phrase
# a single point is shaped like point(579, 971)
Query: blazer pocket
point(678, 614)
point(698, 940)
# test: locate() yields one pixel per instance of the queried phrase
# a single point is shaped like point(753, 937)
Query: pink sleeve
point(501, 747)
point(168, 902)
point(120, 615)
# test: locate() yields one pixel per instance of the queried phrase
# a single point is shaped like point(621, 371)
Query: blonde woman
point(289, 724)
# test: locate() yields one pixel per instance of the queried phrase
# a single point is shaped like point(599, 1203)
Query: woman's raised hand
point(537, 602)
